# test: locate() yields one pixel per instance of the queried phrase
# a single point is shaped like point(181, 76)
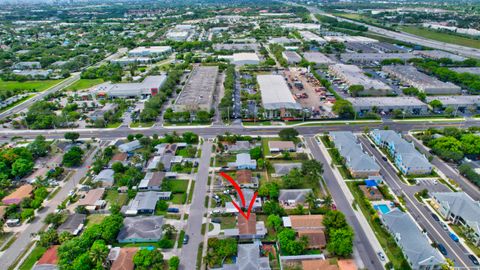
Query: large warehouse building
point(277, 99)
point(197, 94)
point(309, 36)
point(411, 76)
point(319, 59)
point(368, 58)
point(240, 59)
point(353, 75)
point(460, 103)
point(148, 87)
point(409, 105)
point(152, 52)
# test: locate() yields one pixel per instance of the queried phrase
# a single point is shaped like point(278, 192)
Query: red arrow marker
point(242, 197)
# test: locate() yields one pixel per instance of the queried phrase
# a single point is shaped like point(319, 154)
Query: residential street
point(365, 250)
point(188, 257)
point(419, 212)
point(24, 238)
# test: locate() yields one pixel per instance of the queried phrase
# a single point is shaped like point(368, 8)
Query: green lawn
point(84, 84)
point(113, 197)
point(440, 36)
point(31, 86)
point(190, 194)
point(33, 257)
point(16, 103)
point(114, 125)
point(180, 238)
point(178, 186)
point(228, 223)
point(95, 219)
point(142, 124)
point(179, 198)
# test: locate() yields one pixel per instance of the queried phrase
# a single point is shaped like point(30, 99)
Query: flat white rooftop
point(275, 93)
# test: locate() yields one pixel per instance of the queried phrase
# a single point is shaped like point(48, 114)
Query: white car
point(71, 192)
point(381, 256)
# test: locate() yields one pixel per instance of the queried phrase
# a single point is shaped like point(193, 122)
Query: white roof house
point(106, 177)
point(275, 93)
point(130, 146)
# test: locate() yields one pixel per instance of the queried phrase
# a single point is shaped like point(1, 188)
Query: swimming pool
point(382, 208)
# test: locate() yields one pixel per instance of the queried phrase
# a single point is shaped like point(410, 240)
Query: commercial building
point(242, 47)
point(151, 52)
point(277, 100)
point(291, 57)
point(283, 40)
point(369, 58)
point(414, 244)
point(240, 59)
point(437, 54)
point(309, 36)
point(197, 94)
point(460, 209)
point(407, 159)
point(460, 103)
point(358, 163)
point(147, 88)
point(302, 26)
point(318, 58)
point(427, 84)
point(353, 75)
point(387, 105)
point(352, 39)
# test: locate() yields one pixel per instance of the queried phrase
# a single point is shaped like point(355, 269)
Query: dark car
point(442, 249)
point(435, 217)
point(185, 239)
point(173, 210)
point(473, 259)
point(384, 158)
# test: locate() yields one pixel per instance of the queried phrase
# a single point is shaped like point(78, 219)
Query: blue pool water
point(382, 207)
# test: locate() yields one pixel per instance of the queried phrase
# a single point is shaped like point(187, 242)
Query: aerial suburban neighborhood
point(239, 135)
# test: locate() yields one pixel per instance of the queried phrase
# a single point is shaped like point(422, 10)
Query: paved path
point(24, 237)
point(188, 257)
point(365, 242)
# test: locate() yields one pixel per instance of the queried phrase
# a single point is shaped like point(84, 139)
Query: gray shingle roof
point(461, 205)
point(297, 195)
point(355, 158)
point(141, 227)
point(414, 244)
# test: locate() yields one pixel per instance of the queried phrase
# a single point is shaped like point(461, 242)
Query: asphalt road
point(361, 242)
point(469, 188)
point(419, 212)
point(24, 238)
point(236, 129)
point(188, 257)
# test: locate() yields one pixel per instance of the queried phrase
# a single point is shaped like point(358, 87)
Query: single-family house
point(49, 260)
point(153, 163)
point(303, 222)
point(144, 203)
point(248, 258)
point(247, 228)
point(122, 258)
point(105, 177)
point(244, 162)
point(248, 195)
point(282, 169)
point(141, 229)
point(74, 224)
point(460, 209)
point(93, 199)
point(18, 195)
point(119, 157)
point(130, 146)
point(318, 264)
point(281, 146)
point(245, 179)
point(239, 146)
point(292, 197)
point(415, 245)
point(152, 181)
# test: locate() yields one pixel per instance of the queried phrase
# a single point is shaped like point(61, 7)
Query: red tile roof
point(316, 238)
point(124, 260)
point(247, 227)
point(50, 256)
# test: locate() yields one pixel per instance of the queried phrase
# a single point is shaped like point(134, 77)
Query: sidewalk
point(359, 215)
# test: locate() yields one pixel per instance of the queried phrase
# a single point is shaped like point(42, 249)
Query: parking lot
point(309, 93)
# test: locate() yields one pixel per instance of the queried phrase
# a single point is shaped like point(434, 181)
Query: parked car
point(173, 210)
point(442, 249)
point(435, 217)
point(445, 226)
point(185, 239)
point(384, 158)
point(473, 259)
point(381, 256)
point(454, 237)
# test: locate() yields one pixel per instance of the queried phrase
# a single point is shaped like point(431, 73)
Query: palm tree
point(327, 201)
point(311, 199)
point(98, 255)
